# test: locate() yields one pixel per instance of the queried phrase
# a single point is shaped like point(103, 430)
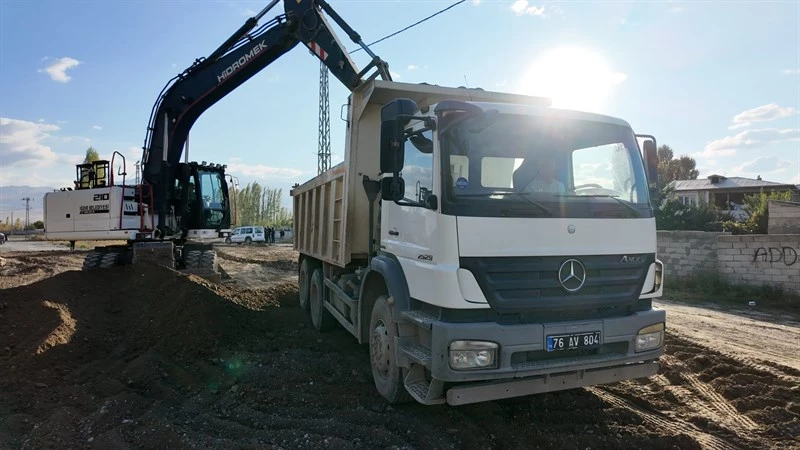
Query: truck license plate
point(575, 341)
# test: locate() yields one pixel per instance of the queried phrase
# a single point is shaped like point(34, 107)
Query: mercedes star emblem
point(572, 275)
point(571, 229)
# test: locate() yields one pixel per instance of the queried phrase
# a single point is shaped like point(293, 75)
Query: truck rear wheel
point(321, 318)
point(388, 376)
point(304, 281)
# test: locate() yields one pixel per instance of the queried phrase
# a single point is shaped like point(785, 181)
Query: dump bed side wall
point(331, 211)
point(319, 216)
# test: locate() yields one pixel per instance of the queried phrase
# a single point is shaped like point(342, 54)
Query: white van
point(248, 235)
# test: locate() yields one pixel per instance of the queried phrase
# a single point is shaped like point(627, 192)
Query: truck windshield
point(542, 166)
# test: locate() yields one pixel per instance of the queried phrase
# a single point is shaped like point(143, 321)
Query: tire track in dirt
point(671, 424)
point(728, 414)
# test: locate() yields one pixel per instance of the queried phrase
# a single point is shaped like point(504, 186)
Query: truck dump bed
point(331, 211)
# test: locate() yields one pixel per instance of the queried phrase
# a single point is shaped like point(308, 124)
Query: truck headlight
point(473, 355)
point(649, 338)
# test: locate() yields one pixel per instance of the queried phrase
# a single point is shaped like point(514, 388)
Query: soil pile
point(145, 357)
point(147, 329)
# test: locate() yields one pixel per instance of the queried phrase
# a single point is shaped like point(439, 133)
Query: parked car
point(2, 238)
point(248, 235)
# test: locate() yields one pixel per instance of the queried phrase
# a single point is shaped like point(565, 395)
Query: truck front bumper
point(486, 391)
point(524, 366)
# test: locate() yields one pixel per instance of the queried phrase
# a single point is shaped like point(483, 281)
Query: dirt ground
point(145, 357)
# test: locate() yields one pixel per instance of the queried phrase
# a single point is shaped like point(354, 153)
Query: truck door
point(408, 231)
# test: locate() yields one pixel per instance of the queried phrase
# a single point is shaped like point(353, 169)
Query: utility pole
point(27, 201)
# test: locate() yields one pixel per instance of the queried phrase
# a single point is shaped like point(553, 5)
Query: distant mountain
point(11, 200)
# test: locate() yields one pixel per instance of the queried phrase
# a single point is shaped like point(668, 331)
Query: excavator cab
point(201, 196)
point(92, 175)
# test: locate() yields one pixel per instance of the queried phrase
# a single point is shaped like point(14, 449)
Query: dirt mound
point(142, 329)
point(24, 268)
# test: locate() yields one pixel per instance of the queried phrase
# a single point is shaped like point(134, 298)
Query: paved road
point(19, 244)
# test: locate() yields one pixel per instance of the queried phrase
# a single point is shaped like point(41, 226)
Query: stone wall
point(784, 217)
point(757, 260)
point(761, 259)
point(687, 253)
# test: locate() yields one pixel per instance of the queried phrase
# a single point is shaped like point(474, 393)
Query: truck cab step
point(424, 391)
point(418, 354)
point(419, 317)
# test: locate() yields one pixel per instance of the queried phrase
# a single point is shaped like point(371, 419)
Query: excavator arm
point(245, 53)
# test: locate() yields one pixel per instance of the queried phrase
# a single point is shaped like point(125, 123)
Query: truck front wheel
point(321, 318)
point(388, 376)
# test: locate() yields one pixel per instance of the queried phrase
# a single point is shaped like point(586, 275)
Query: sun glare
point(574, 78)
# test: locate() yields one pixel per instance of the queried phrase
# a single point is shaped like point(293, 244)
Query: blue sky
point(719, 81)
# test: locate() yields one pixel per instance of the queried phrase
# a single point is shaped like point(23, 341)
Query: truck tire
point(388, 376)
point(92, 261)
point(228, 240)
point(321, 318)
point(248, 241)
point(304, 283)
point(208, 260)
point(108, 260)
point(192, 259)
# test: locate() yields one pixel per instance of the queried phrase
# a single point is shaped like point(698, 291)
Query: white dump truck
point(485, 245)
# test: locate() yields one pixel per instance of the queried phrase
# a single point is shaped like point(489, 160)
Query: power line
point(412, 25)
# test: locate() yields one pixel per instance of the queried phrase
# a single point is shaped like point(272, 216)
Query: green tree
point(675, 215)
point(260, 205)
point(671, 169)
point(91, 155)
point(39, 225)
point(757, 208)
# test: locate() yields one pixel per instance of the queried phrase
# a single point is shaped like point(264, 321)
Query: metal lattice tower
point(324, 152)
point(27, 201)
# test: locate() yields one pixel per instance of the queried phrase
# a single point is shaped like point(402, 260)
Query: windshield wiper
point(620, 201)
point(524, 195)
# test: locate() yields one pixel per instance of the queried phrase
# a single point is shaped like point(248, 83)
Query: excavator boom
point(245, 53)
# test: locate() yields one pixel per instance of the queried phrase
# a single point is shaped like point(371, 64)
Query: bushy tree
point(671, 169)
point(258, 205)
point(757, 208)
point(675, 215)
point(91, 155)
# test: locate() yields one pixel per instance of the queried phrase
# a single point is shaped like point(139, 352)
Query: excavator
point(169, 216)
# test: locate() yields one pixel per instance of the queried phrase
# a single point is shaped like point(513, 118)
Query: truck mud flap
point(474, 393)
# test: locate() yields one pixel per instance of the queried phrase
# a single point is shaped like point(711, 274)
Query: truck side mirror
point(651, 164)
point(393, 189)
point(394, 117)
point(392, 148)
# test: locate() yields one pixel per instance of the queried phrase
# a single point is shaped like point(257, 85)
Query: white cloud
point(24, 149)
point(412, 67)
point(395, 75)
point(97, 127)
point(522, 7)
point(676, 9)
point(763, 113)
point(764, 165)
point(476, 2)
point(247, 12)
point(790, 71)
point(58, 70)
point(22, 145)
point(749, 139)
point(263, 172)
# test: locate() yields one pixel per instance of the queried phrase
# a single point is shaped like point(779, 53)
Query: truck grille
point(531, 284)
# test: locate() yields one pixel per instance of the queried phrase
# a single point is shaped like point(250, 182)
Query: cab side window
point(418, 167)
